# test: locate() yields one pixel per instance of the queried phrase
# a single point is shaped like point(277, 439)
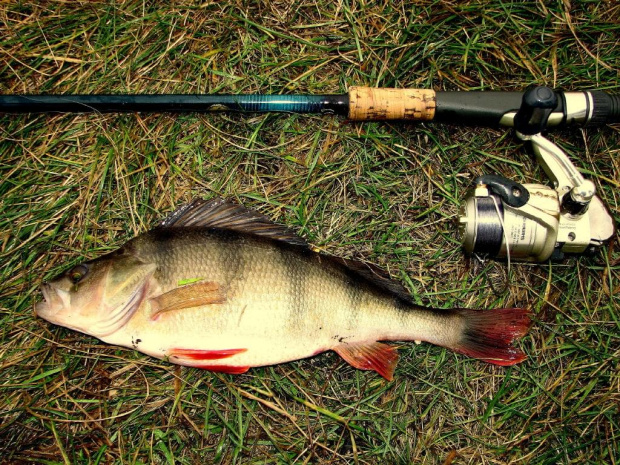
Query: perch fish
point(220, 287)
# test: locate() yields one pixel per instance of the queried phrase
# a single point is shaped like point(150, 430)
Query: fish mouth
point(43, 308)
point(54, 300)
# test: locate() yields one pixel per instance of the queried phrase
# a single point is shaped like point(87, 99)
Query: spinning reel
point(532, 222)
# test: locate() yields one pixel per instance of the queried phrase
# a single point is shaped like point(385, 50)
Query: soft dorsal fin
point(224, 214)
point(377, 276)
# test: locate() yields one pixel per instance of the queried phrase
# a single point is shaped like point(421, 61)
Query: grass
point(76, 186)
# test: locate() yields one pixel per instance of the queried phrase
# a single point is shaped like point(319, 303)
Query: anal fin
point(191, 295)
point(376, 356)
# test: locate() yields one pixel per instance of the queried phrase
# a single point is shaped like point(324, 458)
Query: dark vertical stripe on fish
point(355, 295)
point(232, 259)
point(235, 261)
point(296, 276)
point(161, 246)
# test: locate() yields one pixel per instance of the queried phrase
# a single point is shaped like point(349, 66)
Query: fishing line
point(501, 222)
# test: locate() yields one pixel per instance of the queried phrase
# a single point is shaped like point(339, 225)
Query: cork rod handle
point(367, 103)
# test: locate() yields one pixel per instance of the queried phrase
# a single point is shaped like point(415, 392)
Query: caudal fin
point(488, 334)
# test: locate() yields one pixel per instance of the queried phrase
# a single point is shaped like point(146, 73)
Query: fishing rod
point(484, 108)
point(499, 218)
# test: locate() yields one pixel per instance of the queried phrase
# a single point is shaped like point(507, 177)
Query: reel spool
point(501, 218)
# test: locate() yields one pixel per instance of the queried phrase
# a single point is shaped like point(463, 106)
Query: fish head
point(97, 297)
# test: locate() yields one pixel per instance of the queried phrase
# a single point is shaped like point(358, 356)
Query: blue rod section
point(338, 104)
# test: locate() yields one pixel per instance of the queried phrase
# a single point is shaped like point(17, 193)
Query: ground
point(77, 186)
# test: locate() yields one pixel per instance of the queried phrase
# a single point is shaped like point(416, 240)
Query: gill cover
point(97, 297)
point(126, 285)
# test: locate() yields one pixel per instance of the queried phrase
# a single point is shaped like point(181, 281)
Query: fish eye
point(77, 273)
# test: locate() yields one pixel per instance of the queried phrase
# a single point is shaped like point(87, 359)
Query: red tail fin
point(489, 334)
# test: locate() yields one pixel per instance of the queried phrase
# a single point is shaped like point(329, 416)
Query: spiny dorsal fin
point(224, 214)
point(377, 276)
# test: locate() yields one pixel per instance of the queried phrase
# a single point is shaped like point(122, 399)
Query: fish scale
point(220, 287)
point(263, 298)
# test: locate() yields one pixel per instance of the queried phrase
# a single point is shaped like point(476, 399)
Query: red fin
point(224, 369)
point(375, 356)
point(196, 354)
point(489, 334)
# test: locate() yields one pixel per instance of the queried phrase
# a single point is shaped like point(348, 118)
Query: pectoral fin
point(376, 356)
point(191, 295)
